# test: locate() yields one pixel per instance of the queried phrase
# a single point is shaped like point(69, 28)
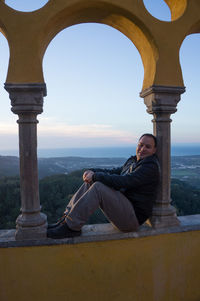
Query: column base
point(164, 217)
point(29, 230)
point(32, 233)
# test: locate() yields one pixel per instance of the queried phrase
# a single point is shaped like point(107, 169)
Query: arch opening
point(186, 129)
point(26, 6)
point(166, 10)
point(8, 128)
point(121, 20)
point(158, 9)
point(101, 77)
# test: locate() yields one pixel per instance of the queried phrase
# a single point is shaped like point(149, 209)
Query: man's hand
point(87, 176)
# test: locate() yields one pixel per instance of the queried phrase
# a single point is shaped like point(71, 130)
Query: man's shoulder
point(150, 160)
point(153, 158)
point(132, 159)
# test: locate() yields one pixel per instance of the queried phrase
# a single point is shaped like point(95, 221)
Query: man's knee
point(101, 188)
point(98, 185)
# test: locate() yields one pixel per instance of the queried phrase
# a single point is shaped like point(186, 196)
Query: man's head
point(146, 146)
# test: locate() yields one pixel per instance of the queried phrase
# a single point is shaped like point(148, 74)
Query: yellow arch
point(38, 28)
point(177, 8)
point(158, 42)
point(112, 16)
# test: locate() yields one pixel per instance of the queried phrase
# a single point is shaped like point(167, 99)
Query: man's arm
point(111, 171)
point(144, 174)
point(88, 174)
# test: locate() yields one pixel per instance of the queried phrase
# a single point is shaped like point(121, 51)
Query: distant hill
point(9, 165)
point(185, 168)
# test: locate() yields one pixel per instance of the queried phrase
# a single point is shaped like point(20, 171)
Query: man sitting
point(125, 195)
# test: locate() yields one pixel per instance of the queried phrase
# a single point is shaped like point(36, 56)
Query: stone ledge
point(101, 232)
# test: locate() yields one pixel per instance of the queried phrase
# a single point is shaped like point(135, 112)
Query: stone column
point(27, 102)
point(161, 101)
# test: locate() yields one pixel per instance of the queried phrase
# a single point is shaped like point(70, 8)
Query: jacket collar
point(149, 158)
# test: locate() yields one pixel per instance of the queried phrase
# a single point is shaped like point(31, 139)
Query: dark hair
point(151, 136)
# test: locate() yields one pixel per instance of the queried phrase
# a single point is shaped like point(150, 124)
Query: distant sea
point(105, 152)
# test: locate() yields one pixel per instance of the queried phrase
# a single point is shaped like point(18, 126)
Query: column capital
point(26, 98)
point(162, 99)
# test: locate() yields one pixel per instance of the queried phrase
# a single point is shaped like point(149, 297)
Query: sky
point(94, 75)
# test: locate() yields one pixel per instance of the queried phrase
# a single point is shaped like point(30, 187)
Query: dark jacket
point(137, 180)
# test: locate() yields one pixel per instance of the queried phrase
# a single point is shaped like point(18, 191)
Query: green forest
point(56, 191)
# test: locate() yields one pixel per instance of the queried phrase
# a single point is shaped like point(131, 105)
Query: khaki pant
point(116, 207)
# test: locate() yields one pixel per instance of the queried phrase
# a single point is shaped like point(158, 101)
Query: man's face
point(146, 147)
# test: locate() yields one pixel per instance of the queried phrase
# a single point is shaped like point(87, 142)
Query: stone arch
point(27, 53)
point(4, 34)
point(157, 41)
point(177, 8)
point(195, 28)
point(115, 17)
point(3, 30)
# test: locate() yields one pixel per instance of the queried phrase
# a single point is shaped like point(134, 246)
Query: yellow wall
point(157, 268)
point(158, 42)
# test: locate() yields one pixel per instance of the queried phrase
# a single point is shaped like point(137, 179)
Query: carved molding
point(26, 98)
point(162, 99)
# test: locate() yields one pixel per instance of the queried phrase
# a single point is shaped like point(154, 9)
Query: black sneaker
point(61, 220)
point(62, 231)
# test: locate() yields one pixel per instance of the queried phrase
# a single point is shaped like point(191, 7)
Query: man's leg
point(114, 204)
point(83, 189)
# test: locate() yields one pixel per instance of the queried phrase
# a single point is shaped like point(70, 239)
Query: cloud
point(8, 128)
point(52, 134)
point(82, 135)
point(82, 130)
